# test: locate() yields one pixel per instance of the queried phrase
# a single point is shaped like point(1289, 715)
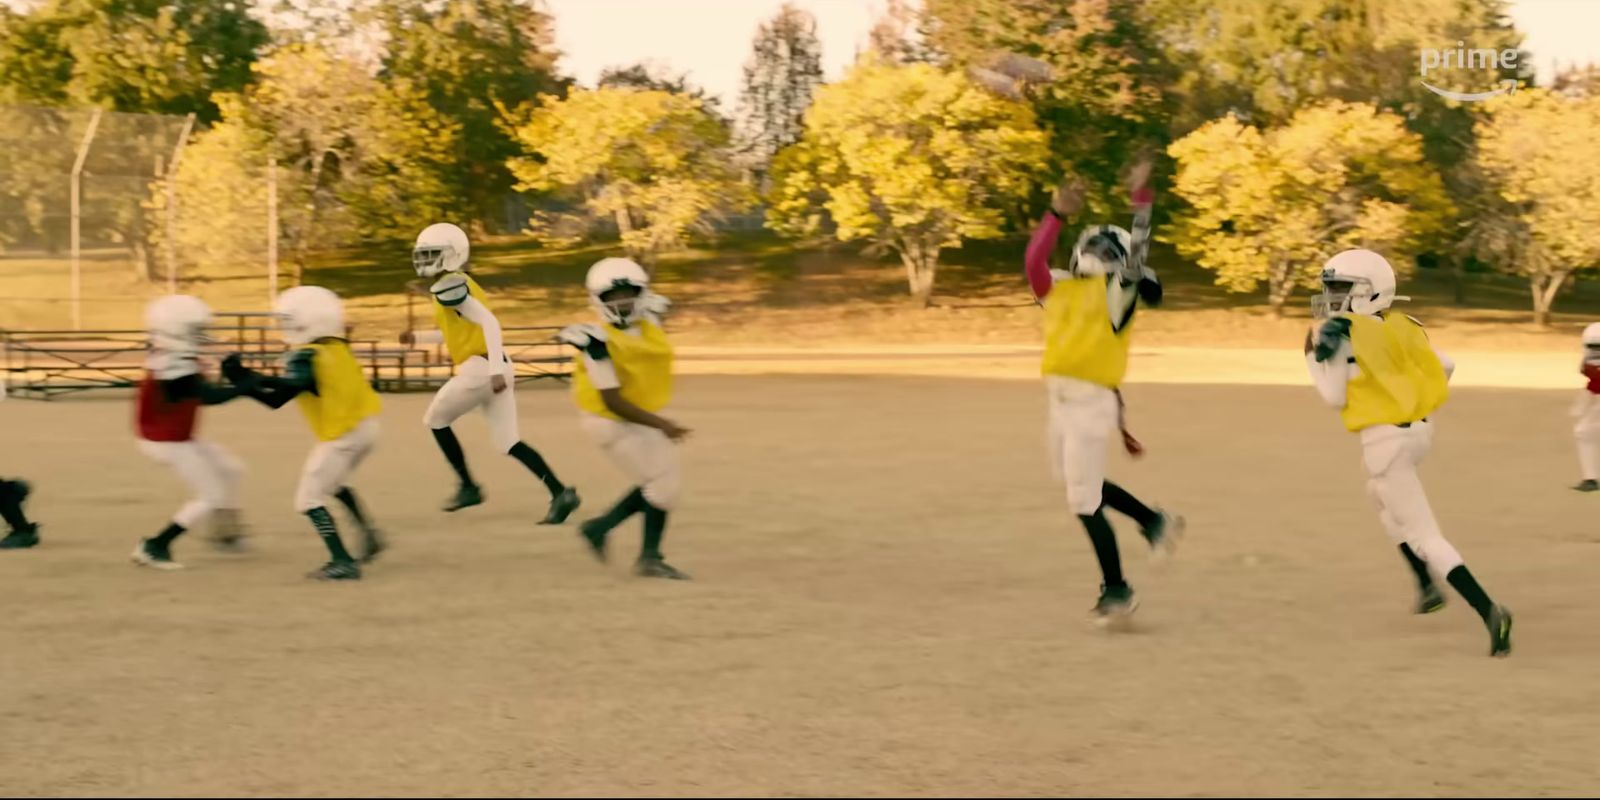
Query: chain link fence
point(100, 212)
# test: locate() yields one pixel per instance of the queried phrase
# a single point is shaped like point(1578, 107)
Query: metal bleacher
point(45, 364)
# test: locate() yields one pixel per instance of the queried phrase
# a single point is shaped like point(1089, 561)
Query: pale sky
point(710, 39)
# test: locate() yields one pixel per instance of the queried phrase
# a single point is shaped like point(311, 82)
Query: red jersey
point(162, 420)
point(1592, 372)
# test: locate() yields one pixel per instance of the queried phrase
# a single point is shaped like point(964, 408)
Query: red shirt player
point(166, 414)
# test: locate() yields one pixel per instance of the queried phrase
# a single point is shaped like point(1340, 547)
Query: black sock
point(11, 506)
point(531, 459)
point(1462, 579)
point(351, 504)
point(1418, 566)
point(1120, 501)
point(329, 533)
point(631, 503)
point(655, 527)
point(1105, 547)
point(451, 446)
point(168, 534)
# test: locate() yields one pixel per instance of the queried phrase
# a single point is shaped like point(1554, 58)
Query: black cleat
point(372, 544)
point(153, 555)
point(336, 571)
point(1587, 485)
point(1116, 602)
point(594, 533)
point(1164, 534)
point(467, 496)
point(562, 506)
point(21, 538)
point(655, 567)
point(1430, 600)
point(1499, 623)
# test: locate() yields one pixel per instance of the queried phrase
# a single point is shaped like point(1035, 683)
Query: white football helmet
point(1101, 250)
point(1357, 282)
point(610, 274)
point(441, 247)
point(308, 313)
point(1591, 335)
point(177, 324)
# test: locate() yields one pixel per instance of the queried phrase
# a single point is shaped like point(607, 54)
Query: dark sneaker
point(562, 506)
point(336, 571)
point(467, 496)
point(655, 567)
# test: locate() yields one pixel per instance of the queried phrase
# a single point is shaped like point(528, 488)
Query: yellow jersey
point(463, 338)
point(643, 363)
point(344, 398)
point(1400, 380)
point(1078, 339)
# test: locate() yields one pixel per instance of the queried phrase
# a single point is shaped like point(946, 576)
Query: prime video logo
point(1461, 58)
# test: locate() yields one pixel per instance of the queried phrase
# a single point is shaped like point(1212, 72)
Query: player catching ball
point(1088, 320)
point(1385, 378)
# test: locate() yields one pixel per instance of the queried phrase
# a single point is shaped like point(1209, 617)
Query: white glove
point(655, 304)
point(581, 334)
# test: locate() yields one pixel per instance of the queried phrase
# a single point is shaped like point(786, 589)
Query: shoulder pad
point(582, 335)
point(452, 289)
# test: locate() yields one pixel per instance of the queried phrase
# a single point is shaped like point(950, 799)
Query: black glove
point(237, 373)
point(1332, 333)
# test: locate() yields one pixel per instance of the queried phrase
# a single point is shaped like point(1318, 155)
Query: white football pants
point(1083, 416)
point(1587, 433)
point(211, 473)
point(331, 463)
point(470, 389)
point(644, 454)
point(1391, 455)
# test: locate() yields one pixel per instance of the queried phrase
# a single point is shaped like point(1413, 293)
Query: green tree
point(1102, 101)
point(1270, 206)
point(655, 163)
point(1539, 154)
point(780, 78)
point(910, 158)
point(148, 56)
point(643, 75)
point(470, 60)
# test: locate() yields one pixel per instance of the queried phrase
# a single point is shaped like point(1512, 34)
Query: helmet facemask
point(1343, 294)
point(430, 260)
point(620, 303)
point(1099, 251)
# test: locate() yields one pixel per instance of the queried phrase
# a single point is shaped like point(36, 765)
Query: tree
point(645, 75)
point(909, 158)
point(655, 163)
point(780, 77)
point(221, 223)
point(1578, 81)
point(471, 60)
point(148, 56)
point(1102, 101)
point(894, 37)
point(1270, 206)
point(1538, 150)
point(315, 108)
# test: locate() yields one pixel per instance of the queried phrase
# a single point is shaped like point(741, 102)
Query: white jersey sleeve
point(478, 314)
point(1332, 377)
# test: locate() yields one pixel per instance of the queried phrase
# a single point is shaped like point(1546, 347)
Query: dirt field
point(889, 599)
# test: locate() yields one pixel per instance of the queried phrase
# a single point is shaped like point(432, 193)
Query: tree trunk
point(922, 264)
point(1280, 284)
point(1458, 274)
point(303, 246)
point(1545, 288)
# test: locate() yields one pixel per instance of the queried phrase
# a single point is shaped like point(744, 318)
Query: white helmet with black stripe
point(441, 247)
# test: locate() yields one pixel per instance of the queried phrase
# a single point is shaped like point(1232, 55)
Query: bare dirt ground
point(889, 599)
